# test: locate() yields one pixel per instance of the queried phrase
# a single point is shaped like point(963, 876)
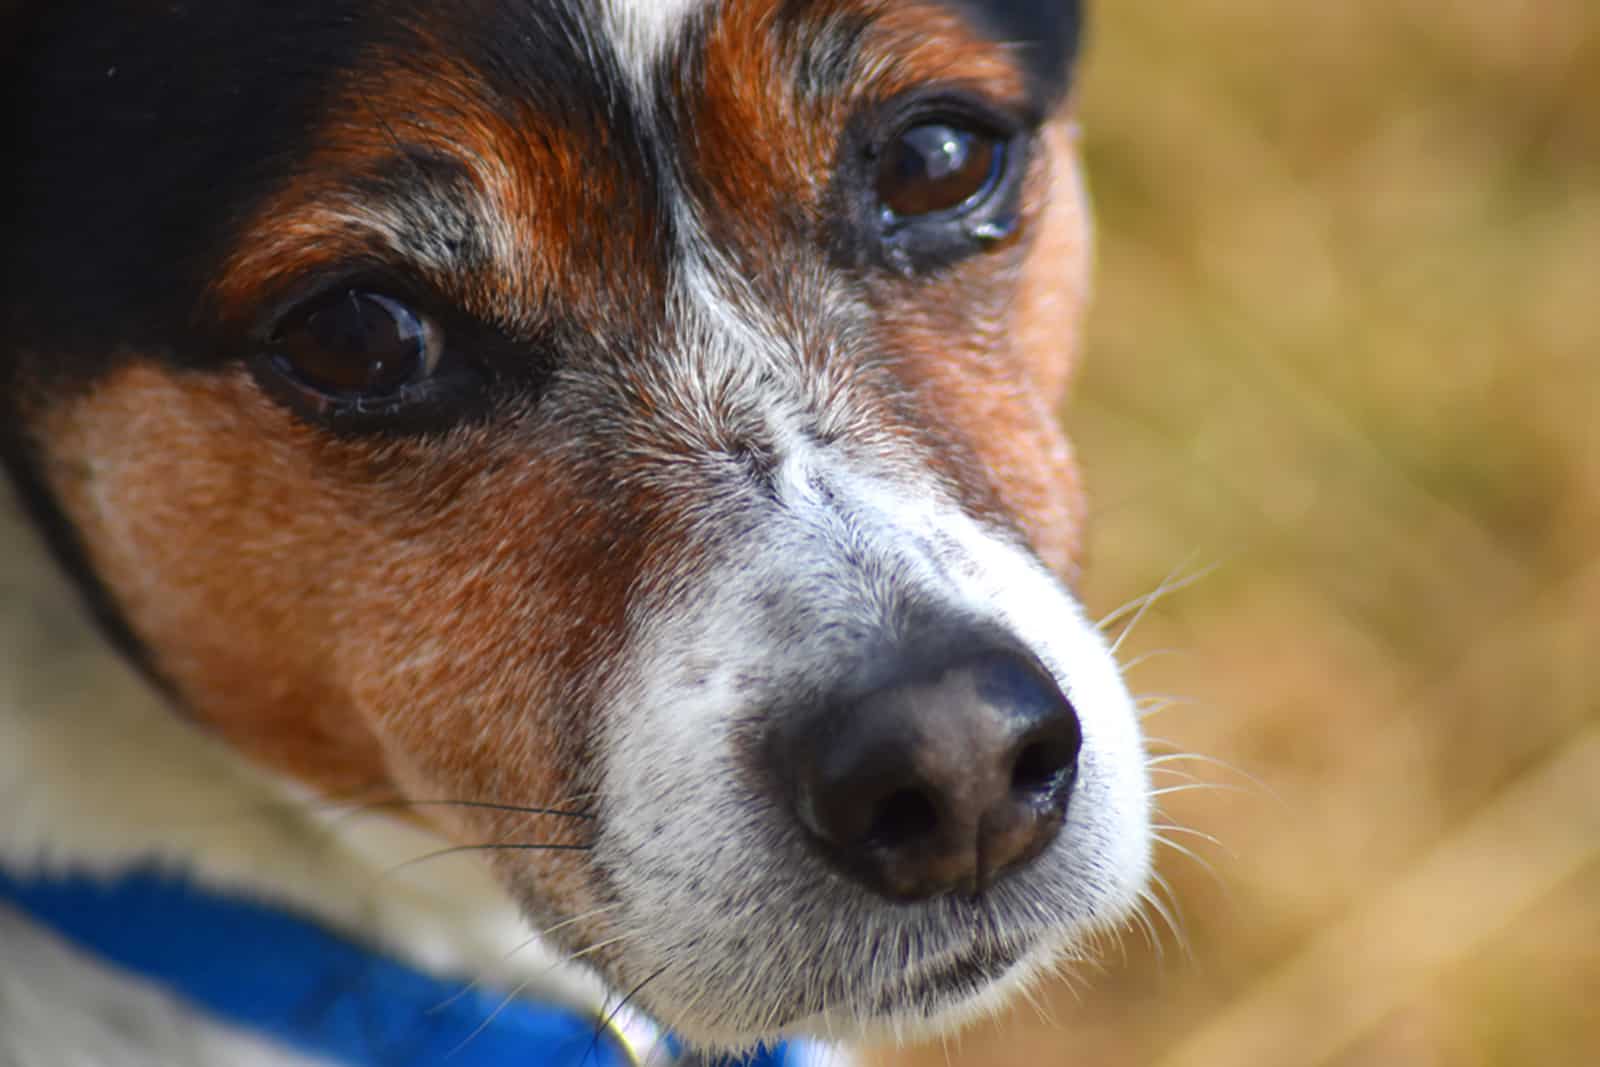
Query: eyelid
point(959, 103)
point(282, 301)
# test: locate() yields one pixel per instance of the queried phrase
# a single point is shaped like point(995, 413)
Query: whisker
point(389, 805)
point(1165, 903)
point(1167, 914)
point(605, 1023)
point(607, 943)
point(1027, 992)
point(489, 1019)
point(1211, 761)
point(1201, 834)
point(489, 847)
point(592, 913)
point(1170, 757)
point(1146, 927)
point(518, 989)
point(1200, 861)
point(1071, 980)
point(479, 982)
point(1181, 775)
point(1196, 786)
point(1150, 707)
point(1147, 698)
point(1139, 606)
point(1155, 653)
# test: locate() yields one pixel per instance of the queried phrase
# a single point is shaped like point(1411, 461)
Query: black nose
point(939, 781)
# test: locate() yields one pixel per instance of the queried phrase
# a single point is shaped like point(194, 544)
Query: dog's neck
point(98, 774)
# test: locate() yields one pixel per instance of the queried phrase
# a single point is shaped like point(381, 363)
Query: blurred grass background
point(1345, 358)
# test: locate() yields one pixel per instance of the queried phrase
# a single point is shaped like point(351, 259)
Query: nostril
point(1047, 758)
point(1038, 768)
point(903, 817)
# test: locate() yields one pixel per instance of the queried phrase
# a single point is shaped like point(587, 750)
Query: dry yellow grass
point(1347, 352)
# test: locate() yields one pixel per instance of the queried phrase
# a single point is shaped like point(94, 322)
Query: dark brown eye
point(936, 167)
point(358, 344)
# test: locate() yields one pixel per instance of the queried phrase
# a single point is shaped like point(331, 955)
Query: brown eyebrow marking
point(430, 160)
point(764, 159)
point(883, 47)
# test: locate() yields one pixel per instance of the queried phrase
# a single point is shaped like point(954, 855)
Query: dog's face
point(638, 407)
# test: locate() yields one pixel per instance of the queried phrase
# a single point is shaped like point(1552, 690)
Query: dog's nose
point(939, 781)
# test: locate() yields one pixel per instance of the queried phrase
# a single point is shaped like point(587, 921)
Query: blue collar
point(293, 982)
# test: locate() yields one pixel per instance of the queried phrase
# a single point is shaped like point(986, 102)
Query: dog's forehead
point(577, 110)
point(1044, 35)
point(572, 121)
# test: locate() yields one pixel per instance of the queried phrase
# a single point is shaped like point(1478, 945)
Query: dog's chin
point(933, 999)
point(924, 999)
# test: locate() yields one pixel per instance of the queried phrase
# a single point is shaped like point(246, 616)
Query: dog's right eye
point(358, 345)
point(932, 181)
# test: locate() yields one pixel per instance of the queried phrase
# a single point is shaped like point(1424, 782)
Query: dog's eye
point(936, 187)
point(937, 167)
point(358, 345)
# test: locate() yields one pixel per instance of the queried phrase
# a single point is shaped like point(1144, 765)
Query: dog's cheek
point(203, 543)
point(1037, 459)
point(988, 354)
point(339, 612)
point(1056, 282)
point(994, 436)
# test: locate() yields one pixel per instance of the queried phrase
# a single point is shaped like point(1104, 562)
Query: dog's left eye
point(358, 344)
point(936, 167)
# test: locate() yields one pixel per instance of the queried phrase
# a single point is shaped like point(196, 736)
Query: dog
point(551, 504)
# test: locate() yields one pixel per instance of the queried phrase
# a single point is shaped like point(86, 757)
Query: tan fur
point(364, 617)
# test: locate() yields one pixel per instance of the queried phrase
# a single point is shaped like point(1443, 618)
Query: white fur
point(754, 886)
point(859, 527)
point(643, 30)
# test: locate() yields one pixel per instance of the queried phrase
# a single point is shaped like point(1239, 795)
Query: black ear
point(11, 12)
point(15, 16)
point(20, 454)
point(1046, 33)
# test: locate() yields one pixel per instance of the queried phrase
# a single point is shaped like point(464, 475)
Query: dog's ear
point(10, 16)
point(19, 457)
point(15, 19)
point(15, 15)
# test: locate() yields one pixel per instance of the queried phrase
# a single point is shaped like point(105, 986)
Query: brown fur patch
point(764, 147)
point(559, 209)
point(428, 616)
point(985, 348)
point(988, 347)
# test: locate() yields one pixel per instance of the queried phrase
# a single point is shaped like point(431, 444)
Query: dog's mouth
point(928, 989)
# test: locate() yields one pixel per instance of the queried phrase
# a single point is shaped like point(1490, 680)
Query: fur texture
point(721, 429)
